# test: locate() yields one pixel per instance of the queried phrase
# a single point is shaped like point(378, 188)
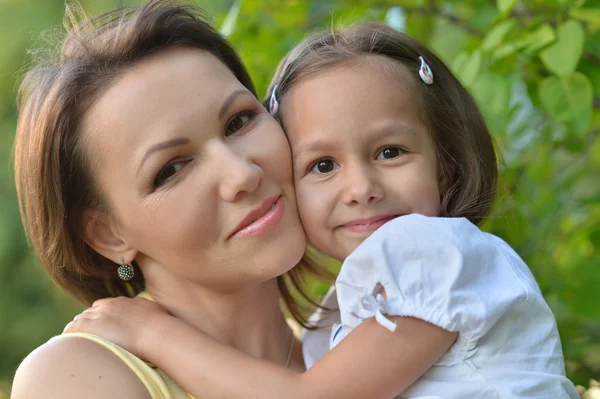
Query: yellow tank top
point(155, 380)
point(158, 384)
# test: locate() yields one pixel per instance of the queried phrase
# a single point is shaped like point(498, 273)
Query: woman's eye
point(167, 173)
point(238, 122)
point(324, 166)
point(390, 153)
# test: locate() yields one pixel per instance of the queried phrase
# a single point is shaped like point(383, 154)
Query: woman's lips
point(263, 219)
point(369, 224)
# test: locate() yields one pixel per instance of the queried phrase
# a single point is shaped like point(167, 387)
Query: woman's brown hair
point(53, 173)
point(463, 143)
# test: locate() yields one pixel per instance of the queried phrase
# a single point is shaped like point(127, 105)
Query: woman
point(144, 161)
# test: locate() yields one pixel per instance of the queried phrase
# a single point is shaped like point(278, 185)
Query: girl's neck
point(248, 319)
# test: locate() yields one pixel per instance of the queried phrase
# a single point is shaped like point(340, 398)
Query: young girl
point(394, 167)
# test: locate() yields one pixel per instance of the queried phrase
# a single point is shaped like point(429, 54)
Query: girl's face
point(197, 175)
point(361, 154)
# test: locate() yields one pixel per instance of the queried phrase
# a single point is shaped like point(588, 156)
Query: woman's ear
point(101, 235)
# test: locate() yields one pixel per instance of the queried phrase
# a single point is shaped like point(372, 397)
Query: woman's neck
point(248, 319)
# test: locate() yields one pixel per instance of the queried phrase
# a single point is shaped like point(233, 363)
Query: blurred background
point(533, 66)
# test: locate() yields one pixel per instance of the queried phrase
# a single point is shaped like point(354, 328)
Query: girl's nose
point(362, 187)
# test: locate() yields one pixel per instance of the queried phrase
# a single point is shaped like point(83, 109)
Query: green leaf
point(505, 50)
point(541, 37)
point(587, 14)
point(595, 152)
point(447, 40)
point(561, 58)
point(492, 92)
point(591, 70)
point(541, 170)
point(593, 44)
point(229, 23)
point(505, 6)
point(467, 67)
point(496, 35)
point(595, 119)
point(421, 27)
point(568, 99)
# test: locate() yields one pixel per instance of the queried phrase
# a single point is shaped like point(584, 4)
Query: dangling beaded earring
point(125, 272)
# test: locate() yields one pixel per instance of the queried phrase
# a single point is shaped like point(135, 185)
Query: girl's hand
point(128, 322)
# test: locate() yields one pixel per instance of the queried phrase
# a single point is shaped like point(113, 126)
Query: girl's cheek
point(308, 208)
point(303, 202)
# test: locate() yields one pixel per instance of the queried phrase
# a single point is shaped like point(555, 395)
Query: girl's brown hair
point(53, 173)
point(463, 143)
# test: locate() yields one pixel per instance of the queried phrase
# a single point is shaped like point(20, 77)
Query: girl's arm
point(370, 362)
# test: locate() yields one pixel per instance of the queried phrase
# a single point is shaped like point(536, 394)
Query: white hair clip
point(273, 103)
point(425, 72)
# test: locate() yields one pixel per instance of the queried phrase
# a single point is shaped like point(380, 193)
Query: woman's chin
point(289, 252)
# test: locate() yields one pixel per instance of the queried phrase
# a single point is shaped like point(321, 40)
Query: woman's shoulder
point(75, 367)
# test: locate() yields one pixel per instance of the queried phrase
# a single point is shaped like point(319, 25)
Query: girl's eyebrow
point(391, 130)
point(320, 145)
point(312, 146)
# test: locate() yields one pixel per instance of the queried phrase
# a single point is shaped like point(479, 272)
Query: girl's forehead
point(372, 84)
point(370, 64)
point(359, 100)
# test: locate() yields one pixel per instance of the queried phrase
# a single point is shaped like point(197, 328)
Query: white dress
point(448, 272)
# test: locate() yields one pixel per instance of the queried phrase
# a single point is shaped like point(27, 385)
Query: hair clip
point(273, 103)
point(425, 72)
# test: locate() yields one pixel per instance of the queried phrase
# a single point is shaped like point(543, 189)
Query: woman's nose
point(239, 175)
point(361, 186)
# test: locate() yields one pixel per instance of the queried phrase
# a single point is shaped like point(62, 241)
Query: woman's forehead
point(159, 92)
point(175, 91)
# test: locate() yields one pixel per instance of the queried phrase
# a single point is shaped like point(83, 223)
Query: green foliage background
point(534, 68)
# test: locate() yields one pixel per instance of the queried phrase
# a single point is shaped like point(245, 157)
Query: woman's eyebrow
point(161, 146)
point(230, 99)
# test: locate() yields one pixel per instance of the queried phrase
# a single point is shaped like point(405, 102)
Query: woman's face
point(196, 174)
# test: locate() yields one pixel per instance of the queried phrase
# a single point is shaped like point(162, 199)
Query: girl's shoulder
point(437, 237)
point(445, 271)
point(75, 367)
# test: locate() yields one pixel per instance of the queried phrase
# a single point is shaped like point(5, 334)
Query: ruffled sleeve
point(442, 270)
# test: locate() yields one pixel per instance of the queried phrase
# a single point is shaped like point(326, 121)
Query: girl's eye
point(168, 172)
point(238, 122)
point(390, 153)
point(324, 166)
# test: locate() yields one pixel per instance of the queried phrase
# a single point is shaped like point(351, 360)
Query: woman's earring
point(125, 272)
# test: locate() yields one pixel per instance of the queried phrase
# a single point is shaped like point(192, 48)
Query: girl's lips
point(262, 220)
point(366, 225)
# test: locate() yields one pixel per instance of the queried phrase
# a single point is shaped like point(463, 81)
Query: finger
point(86, 324)
point(88, 313)
point(78, 325)
point(71, 327)
point(102, 301)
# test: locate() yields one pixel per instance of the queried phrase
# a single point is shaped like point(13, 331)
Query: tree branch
point(434, 10)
